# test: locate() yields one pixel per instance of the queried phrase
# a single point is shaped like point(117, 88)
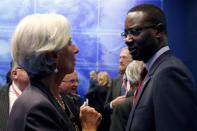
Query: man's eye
point(134, 32)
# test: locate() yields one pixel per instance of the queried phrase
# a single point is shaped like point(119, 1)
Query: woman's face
point(66, 61)
point(102, 79)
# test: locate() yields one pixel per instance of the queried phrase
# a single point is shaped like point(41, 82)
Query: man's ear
point(160, 27)
point(13, 74)
point(159, 30)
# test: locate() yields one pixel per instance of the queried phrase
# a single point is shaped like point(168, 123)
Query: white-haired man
point(132, 81)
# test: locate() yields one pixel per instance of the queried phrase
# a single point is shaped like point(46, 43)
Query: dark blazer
point(120, 115)
point(167, 101)
point(92, 84)
point(4, 106)
point(37, 110)
point(97, 97)
point(72, 109)
point(114, 91)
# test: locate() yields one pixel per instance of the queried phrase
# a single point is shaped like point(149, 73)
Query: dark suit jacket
point(4, 106)
point(97, 97)
point(92, 84)
point(120, 115)
point(114, 91)
point(167, 100)
point(37, 110)
point(72, 108)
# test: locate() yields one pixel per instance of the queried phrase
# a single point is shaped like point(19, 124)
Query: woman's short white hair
point(133, 71)
point(36, 35)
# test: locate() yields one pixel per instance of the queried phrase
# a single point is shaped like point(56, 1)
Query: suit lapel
point(117, 90)
point(148, 76)
point(146, 81)
point(143, 86)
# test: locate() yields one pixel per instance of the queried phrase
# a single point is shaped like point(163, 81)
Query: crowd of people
point(154, 90)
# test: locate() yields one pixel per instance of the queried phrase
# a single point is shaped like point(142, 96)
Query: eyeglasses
point(72, 81)
point(135, 31)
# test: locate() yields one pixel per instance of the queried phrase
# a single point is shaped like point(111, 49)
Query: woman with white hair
point(133, 74)
point(121, 111)
point(42, 46)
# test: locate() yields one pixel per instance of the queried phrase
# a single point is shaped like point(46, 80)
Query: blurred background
point(96, 28)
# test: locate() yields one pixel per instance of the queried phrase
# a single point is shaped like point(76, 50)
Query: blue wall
point(182, 30)
point(96, 27)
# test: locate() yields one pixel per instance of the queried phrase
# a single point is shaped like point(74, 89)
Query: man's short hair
point(154, 14)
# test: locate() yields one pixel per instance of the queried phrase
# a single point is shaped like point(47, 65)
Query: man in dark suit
point(10, 92)
point(120, 115)
point(4, 106)
point(115, 95)
point(93, 79)
point(167, 99)
point(72, 100)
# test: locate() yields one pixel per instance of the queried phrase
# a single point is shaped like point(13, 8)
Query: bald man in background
point(19, 80)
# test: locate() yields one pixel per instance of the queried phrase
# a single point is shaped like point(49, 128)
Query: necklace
point(60, 101)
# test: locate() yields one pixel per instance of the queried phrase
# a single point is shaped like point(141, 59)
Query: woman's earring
point(56, 70)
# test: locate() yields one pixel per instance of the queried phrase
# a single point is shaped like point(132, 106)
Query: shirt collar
point(16, 89)
point(152, 60)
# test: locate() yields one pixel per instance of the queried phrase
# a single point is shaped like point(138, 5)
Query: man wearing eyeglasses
point(68, 89)
point(167, 98)
point(70, 83)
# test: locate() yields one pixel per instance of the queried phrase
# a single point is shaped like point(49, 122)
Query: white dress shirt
point(14, 92)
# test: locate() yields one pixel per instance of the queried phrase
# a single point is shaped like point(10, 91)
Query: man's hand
point(117, 100)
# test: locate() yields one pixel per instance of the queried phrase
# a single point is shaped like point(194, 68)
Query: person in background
point(121, 111)
point(70, 84)
point(93, 79)
point(43, 47)
point(167, 98)
point(68, 88)
point(116, 92)
point(18, 81)
point(92, 85)
point(97, 98)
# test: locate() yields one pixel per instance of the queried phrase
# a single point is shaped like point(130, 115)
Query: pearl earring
point(56, 70)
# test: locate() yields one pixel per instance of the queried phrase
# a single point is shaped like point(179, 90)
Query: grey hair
point(34, 37)
point(133, 71)
point(93, 74)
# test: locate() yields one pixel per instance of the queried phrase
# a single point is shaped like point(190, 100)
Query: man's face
point(20, 78)
point(69, 84)
point(125, 59)
point(140, 36)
